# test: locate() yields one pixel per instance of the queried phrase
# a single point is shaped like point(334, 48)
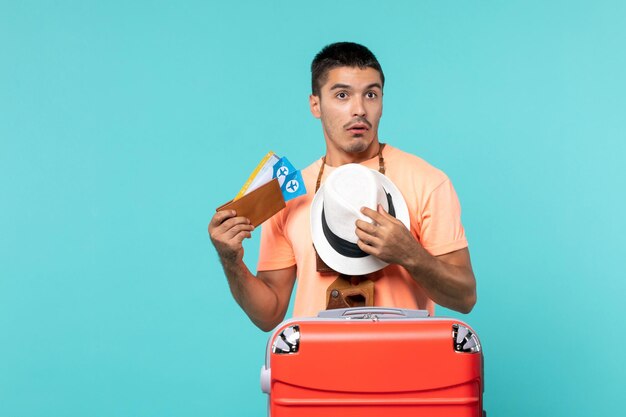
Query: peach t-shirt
point(435, 222)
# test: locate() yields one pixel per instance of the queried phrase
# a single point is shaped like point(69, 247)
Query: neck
point(337, 157)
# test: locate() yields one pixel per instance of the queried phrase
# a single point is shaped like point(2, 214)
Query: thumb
point(382, 211)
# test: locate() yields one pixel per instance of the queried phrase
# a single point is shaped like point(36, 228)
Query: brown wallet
point(258, 205)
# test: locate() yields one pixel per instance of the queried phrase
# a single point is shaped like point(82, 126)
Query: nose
point(358, 107)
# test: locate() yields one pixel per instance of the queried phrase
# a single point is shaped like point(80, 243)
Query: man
point(429, 263)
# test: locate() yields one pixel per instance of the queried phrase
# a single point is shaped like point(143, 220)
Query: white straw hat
point(336, 208)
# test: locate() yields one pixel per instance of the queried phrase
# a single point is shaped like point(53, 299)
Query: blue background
point(124, 124)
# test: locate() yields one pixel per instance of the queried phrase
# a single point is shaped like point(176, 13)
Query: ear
point(315, 106)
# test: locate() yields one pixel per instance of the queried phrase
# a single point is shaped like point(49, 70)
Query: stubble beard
point(358, 146)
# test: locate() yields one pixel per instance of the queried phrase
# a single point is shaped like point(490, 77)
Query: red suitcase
point(373, 361)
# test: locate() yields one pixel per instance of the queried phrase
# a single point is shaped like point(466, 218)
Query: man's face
point(350, 105)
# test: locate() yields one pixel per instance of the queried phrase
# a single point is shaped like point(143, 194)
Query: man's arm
point(263, 298)
point(447, 279)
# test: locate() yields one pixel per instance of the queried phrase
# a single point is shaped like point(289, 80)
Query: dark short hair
point(341, 54)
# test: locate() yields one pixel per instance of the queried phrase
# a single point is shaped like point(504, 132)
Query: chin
point(358, 145)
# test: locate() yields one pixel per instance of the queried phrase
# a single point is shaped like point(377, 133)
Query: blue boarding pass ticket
point(290, 179)
point(282, 168)
point(293, 186)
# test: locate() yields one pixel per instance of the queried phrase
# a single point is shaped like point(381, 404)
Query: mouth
point(358, 128)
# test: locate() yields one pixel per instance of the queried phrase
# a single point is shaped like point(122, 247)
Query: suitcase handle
point(372, 313)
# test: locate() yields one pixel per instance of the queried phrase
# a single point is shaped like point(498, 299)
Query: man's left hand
point(387, 238)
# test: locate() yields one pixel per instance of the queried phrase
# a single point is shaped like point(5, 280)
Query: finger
point(388, 216)
point(230, 223)
point(220, 216)
point(370, 250)
point(239, 237)
point(372, 214)
point(367, 227)
point(235, 230)
point(383, 213)
point(367, 238)
point(221, 232)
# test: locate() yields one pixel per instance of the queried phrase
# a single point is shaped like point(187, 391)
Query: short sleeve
point(441, 230)
point(275, 251)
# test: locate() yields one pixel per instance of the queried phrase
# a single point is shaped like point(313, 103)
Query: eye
point(342, 95)
point(371, 94)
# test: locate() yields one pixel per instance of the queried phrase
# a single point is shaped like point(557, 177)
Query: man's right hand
point(227, 232)
point(264, 298)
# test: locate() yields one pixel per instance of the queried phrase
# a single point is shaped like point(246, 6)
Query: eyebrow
point(337, 86)
point(348, 87)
